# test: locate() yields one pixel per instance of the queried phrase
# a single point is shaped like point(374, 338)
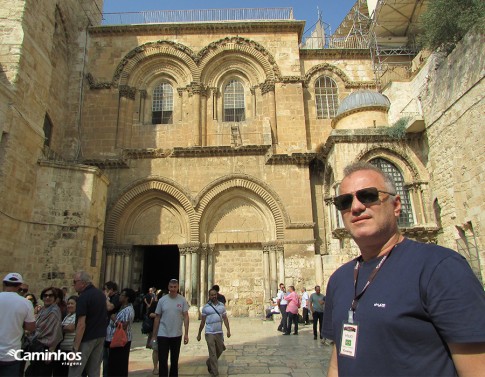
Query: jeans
point(317, 316)
point(292, 318)
point(284, 319)
point(166, 345)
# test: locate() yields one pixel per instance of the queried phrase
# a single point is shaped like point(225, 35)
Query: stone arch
point(223, 66)
point(250, 50)
point(320, 69)
point(410, 170)
point(145, 194)
point(157, 65)
point(249, 184)
point(174, 50)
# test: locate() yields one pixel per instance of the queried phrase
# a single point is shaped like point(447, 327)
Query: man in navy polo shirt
point(402, 308)
point(91, 314)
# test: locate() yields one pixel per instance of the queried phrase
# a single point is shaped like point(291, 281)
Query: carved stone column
point(203, 274)
point(182, 265)
point(196, 92)
point(273, 271)
point(203, 116)
point(281, 263)
point(266, 273)
point(180, 92)
point(210, 266)
point(195, 275)
point(268, 92)
point(118, 265)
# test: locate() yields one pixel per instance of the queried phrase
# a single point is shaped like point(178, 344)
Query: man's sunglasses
point(366, 195)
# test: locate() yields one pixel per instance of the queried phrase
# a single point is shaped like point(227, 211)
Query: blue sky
point(333, 11)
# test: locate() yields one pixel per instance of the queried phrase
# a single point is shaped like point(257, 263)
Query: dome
point(362, 99)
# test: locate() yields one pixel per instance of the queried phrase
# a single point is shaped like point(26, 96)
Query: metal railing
point(334, 42)
point(197, 15)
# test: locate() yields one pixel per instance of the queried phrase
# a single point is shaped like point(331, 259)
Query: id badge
point(348, 345)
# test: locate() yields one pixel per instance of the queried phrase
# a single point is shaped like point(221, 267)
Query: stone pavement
point(254, 349)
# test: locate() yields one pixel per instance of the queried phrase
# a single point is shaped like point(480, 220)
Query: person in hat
point(17, 317)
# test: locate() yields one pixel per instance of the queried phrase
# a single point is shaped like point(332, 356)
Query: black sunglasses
point(365, 196)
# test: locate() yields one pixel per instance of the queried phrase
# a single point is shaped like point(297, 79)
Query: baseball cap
point(13, 277)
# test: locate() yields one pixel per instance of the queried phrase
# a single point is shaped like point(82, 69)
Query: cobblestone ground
point(255, 349)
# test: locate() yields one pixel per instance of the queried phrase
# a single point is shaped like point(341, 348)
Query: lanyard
point(357, 297)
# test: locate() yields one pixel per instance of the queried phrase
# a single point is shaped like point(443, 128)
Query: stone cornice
point(293, 159)
point(114, 163)
point(220, 151)
point(229, 27)
point(137, 154)
point(366, 135)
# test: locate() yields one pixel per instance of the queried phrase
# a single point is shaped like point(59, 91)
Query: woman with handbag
point(119, 335)
point(47, 335)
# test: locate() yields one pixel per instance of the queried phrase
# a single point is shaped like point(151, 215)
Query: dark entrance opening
point(160, 264)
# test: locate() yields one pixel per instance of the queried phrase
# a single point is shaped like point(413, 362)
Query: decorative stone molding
point(118, 250)
point(93, 84)
point(115, 212)
point(301, 226)
point(259, 188)
point(190, 248)
point(243, 150)
point(267, 86)
point(301, 159)
point(181, 91)
point(276, 247)
point(143, 93)
point(291, 79)
point(127, 91)
point(240, 44)
point(132, 58)
point(138, 154)
point(325, 67)
point(108, 163)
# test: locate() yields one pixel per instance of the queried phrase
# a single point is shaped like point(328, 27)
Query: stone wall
point(450, 92)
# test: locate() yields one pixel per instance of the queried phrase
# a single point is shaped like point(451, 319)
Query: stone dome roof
point(362, 99)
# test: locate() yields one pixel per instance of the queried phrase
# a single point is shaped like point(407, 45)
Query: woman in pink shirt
point(292, 309)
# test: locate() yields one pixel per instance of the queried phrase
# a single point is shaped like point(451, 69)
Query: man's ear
point(397, 206)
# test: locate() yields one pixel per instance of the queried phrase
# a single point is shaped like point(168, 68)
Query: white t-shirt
point(213, 320)
point(281, 296)
point(304, 299)
point(171, 311)
point(15, 310)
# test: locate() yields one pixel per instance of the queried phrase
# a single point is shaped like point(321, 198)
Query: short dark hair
point(111, 285)
point(130, 294)
point(54, 292)
point(73, 298)
point(216, 288)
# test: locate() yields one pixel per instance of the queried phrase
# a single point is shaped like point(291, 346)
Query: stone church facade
point(209, 151)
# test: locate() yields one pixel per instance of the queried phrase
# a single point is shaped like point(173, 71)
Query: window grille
point(326, 96)
point(406, 217)
point(162, 105)
point(234, 102)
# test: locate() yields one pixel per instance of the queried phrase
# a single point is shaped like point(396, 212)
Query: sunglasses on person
point(366, 195)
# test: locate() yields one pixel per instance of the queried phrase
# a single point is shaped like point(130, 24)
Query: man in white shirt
point(17, 317)
point(213, 314)
point(172, 311)
point(281, 301)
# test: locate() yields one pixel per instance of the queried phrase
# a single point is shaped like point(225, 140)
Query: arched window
point(162, 105)
point(234, 102)
point(326, 96)
point(406, 217)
